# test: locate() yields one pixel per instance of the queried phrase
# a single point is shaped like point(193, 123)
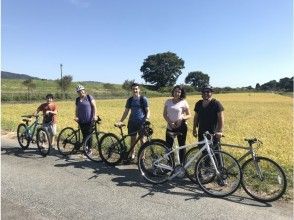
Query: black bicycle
point(70, 140)
point(26, 134)
point(113, 149)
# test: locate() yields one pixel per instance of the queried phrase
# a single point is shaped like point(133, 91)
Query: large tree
point(197, 79)
point(64, 83)
point(162, 69)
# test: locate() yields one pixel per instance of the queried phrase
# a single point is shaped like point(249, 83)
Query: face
point(136, 90)
point(177, 93)
point(206, 94)
point(81, 93)
point(49, 99)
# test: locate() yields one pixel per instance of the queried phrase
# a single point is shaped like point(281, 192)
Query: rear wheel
point(23, 136)
point(222, 184)
point(154, 167)
point(110, 149)
point(43, 142)
point(66, 141)
point(190, 170)
point(263, 179)
point(91, 146)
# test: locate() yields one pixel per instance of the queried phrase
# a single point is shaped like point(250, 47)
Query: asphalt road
point(34, 187)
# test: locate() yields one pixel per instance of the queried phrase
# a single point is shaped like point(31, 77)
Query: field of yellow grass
point(266, 116)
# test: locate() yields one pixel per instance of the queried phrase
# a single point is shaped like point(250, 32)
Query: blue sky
point(236, 42)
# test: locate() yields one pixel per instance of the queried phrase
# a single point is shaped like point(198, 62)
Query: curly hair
point(183, 92)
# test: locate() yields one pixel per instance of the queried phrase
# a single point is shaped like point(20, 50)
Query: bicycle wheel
point(43, 142)
point(190, 170)
point(154, 167)
point(91, 147)
point(218, 185)
point(263, 179)
point(23, 136)
point(66, 141)
point(110, 149)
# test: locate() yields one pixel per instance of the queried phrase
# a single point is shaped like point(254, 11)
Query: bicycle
point(218, 173)
point(113, 149)
point(263, 179)
point(70, 141)
point(26, 134)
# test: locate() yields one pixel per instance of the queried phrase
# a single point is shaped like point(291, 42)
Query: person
point(49, 109)
point(176, 112)
point(85, 112)
point(140, 113)
point(209, 115)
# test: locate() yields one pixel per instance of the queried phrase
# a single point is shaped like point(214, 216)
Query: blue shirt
point(85, 114)
point(137, 112)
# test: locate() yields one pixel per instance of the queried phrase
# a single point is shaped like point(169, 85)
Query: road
point(54, 187)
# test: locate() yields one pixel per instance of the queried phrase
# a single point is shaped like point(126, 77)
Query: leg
point(182, 140)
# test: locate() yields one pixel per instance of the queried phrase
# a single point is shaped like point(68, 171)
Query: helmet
point(79, 88)
point(207, 88)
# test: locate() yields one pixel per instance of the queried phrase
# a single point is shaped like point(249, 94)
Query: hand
point(95, 118)
point(76, 119)
point(47, 112)
point(218, 135)
point(119, 123)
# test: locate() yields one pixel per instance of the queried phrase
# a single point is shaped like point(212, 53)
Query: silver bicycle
point(217, 173)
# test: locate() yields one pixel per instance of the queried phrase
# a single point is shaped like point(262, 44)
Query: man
point(49, 110)
point(85, 113)
point(139, 114)
point(209, 115)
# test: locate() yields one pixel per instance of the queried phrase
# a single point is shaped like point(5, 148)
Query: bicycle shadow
point(31, 152)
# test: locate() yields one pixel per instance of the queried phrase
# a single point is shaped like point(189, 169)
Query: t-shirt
point(175, 111)
point(137, 112)
point(207, 116)
point(84, 108)
point(51, 106)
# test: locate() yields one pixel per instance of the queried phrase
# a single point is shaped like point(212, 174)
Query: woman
point(176, 112)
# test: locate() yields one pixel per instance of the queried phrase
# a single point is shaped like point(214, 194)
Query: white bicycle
point(217, 173)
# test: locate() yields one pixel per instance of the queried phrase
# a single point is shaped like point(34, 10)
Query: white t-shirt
point(175, 111)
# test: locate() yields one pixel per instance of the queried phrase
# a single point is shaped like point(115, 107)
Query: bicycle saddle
point(119, 125)
point(251, 140)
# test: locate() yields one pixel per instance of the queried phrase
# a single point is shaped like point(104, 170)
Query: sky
point(236, 42)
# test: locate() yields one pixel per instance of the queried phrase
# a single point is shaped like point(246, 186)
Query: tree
point(257, 86)
point(30, 86)
point(286, 84)
point(197, 79)
point(271, 85)
point(127, 84)
point(162, 69)
point(64, 83)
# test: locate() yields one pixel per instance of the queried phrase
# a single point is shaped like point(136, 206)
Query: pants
point(181, 139)
point(86, 129)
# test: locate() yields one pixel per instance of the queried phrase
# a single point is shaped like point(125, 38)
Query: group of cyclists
point(208, 116)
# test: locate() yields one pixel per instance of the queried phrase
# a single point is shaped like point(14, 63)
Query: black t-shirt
point(207, 116)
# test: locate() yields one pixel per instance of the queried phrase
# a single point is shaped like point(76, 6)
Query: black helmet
point(207, 88)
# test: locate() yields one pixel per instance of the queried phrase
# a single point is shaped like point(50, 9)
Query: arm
point(220, 124)
point(93, 103)
point(187, 113)
point(147, 110)
point(125, 114)
point(195, 125)
point(76, 114)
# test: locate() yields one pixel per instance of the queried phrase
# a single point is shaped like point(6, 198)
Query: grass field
point(266, 116)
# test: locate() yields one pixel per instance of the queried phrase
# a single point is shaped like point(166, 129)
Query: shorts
point(51, 128)
point(134, 127)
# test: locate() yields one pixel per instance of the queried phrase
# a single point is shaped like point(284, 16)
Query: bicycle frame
point(206, 147)
point(31, 129)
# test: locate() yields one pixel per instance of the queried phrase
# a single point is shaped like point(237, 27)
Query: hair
point(134, 85)
point(183, 92)
point(49, 96)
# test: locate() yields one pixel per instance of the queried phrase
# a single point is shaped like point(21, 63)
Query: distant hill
point(9, 75)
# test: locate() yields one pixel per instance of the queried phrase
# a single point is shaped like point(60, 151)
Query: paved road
point(57, 188)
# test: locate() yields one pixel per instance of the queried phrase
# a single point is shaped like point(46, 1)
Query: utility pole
point(61, 81)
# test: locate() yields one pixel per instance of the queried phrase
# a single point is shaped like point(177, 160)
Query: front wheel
point(23, 136)
point(66, 141)
point(91, 146)
point(110, 149)
point(43, 142)
point(220, 184)
point(155, 166)
point(263, 179)
point(190, 170)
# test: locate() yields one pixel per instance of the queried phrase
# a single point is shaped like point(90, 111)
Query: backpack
point(141, 103)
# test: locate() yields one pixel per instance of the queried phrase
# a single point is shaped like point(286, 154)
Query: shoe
point(221, 182)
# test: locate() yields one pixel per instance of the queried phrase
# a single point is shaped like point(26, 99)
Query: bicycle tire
point(66, 141)
point(218, 185)
point(43, 141)
point(22, 136)
point(148, 154)
point(110, 149)
point(190, 170)
point(92, 153)
point(271, 187)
